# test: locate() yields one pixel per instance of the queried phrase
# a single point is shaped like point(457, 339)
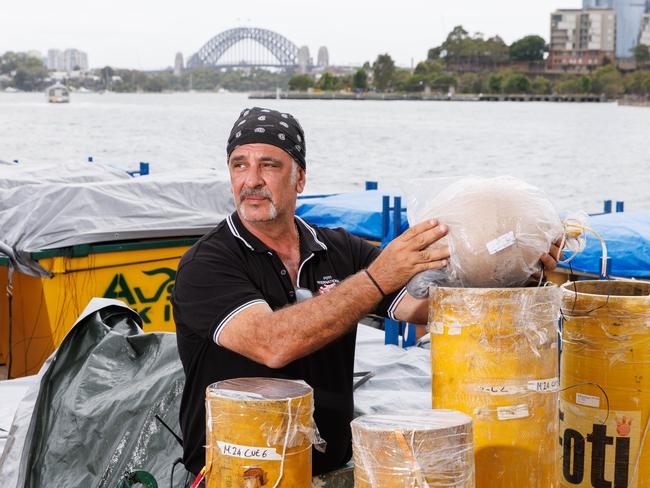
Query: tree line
point(464, 62)
point(472, 64)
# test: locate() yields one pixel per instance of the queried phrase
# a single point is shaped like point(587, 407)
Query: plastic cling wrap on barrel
point(259, 433)
point(494, 357)
point(498, 229)
point(605, 379)
point(424, 449)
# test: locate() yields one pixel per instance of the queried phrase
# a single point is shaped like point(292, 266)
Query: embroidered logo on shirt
point(326, 284)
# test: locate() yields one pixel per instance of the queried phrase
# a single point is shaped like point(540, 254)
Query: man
point(266, 294)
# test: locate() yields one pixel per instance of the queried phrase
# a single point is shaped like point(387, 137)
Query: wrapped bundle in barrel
point(494, 356)
point(426, 449)
point(605, 379)
point(498, 230)
point(259, 433)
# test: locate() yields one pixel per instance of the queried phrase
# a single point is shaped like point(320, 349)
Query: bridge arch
point(285, 51)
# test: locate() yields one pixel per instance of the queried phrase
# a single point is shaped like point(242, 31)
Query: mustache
point(255, 192)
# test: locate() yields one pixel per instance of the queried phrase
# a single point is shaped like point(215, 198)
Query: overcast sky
point(146, 34)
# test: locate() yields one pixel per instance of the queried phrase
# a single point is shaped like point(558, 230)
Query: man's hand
point(407, 255)
point(550, 259)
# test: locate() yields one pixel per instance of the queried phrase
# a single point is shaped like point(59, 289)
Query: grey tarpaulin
point(13, 174)
point(68, 205)
point(401, 377)
point(91, 416)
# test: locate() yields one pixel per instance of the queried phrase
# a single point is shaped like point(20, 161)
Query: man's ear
point(302, 180)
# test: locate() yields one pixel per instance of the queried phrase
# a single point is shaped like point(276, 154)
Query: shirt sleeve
point(210, 291)
point(364, 254)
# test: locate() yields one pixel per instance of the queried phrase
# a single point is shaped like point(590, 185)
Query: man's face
point(264, 182)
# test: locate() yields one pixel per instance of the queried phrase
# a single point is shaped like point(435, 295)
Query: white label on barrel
point(500, 243)
point(551, 384)
point(249, 452)
point(587, 400)
point(453, 330)
point(497, 389)
point(512, 412)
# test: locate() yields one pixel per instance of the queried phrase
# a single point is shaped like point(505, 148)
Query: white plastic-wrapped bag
point(498, 230)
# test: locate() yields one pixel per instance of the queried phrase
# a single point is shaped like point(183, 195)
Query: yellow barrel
point(416, 449)
point(259, 433)
point(494, 357)
point(605, 379)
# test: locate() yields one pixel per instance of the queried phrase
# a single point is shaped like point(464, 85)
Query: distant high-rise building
point(178, 64)
point(74, 60)
point(628, 21)
point(304, 61)
point(581, 39)
point(644, 37)
point(323, 59)
point(55, 60)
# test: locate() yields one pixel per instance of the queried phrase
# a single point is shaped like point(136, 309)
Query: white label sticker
point(494, 389)
point(248, 452)
point(437, 328)
point(551, 384)
point(500, 243)
point(512, 412)
point(454, 330)
point(587, 400)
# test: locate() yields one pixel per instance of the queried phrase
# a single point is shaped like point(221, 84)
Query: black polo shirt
point(227, 271)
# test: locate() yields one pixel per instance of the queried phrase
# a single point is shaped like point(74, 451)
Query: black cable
point(171, 480)
point(178, 439)
point(597, 386)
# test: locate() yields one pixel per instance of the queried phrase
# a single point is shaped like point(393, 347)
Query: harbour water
point(580, 154)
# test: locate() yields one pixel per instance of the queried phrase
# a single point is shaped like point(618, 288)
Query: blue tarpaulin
point(359, 213)
point(627, 235)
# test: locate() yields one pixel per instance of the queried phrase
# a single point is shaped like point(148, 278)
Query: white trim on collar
point(235, 232)
point(313, 232)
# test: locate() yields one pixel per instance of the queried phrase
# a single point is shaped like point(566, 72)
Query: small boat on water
point(57, 93)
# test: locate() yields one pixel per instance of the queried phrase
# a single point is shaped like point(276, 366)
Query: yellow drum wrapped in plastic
point(494, 357)
point(605, 378)
point(259, 433)
point(413, 450)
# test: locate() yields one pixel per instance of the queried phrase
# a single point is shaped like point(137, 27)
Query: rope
point(603, 245)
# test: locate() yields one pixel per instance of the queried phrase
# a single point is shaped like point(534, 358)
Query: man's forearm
point(414, 310)
point(280, 337)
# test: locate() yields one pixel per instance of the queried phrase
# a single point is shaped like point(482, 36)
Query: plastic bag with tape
point(498, 229)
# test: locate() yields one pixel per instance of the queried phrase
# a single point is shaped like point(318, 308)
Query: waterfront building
point(581, 39)
point(75, 60)
point(323, 59)
point(178, 64)
point(55, 60)
point(629, 14)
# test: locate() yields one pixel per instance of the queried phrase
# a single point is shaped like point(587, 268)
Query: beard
point(257, 192)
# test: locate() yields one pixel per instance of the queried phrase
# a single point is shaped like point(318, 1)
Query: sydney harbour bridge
point(246, 47)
